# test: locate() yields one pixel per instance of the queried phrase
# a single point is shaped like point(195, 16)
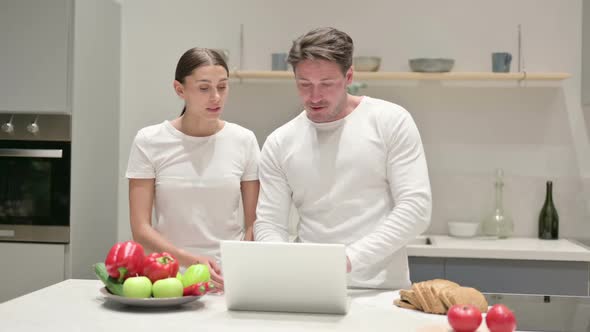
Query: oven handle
point(32, 153)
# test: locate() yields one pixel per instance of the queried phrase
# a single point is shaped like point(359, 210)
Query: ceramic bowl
point(366, 63)
point(431, 65)
point(463, 228)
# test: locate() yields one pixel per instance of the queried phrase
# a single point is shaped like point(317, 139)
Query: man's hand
point(348, 265)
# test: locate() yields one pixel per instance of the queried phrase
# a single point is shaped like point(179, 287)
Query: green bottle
point(548, 218)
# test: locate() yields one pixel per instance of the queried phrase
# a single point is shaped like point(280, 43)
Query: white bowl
point(431, 65)
point(463, 228)
point(366, 63)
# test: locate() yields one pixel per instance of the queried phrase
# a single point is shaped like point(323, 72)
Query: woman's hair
point(194, 58)
point(323, 44)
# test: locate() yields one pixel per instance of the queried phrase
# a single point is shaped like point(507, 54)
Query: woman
point(193, 169)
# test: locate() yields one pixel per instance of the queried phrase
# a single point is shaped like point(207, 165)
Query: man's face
point(322, 88)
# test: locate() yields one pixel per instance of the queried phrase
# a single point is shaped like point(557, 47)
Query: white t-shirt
point(361, 181)
point(197, 182)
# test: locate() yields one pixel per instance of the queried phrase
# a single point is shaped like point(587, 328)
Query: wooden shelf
point(454, 76)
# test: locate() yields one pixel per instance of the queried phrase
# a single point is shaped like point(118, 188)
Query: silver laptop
point(287, 277)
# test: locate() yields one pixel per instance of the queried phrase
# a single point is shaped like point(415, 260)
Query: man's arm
point(274, 201)
point(407, 175)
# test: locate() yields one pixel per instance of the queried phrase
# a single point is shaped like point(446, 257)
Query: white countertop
point(77, 305)
point(511, 248)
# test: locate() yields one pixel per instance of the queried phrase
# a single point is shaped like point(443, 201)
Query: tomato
point(500, 319)
point(464, 318)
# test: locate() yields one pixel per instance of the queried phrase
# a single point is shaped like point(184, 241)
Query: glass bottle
point(548, 218)
point(499, 224)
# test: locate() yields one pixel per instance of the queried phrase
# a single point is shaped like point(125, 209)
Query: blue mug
point(501, 62)
point(279, 61)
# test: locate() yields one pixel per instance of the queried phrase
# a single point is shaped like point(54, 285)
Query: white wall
point(532, 131)
point(586, 62)
point(95, 135)
point(586, 56)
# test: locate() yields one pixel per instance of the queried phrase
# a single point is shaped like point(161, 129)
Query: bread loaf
point(438, 295)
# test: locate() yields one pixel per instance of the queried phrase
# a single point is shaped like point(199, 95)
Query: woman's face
point(204, 91)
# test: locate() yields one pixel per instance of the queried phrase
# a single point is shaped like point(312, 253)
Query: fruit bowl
point(150, 301)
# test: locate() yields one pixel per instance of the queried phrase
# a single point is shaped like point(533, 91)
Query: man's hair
point(323, 44)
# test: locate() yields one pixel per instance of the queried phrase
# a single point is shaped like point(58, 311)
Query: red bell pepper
point(160, 266)
point(188, 291)
point(200, 289)
point(124, 260)
point(209, 286)
point(197, 289)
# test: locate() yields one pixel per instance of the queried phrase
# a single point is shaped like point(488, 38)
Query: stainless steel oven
point(35, 158)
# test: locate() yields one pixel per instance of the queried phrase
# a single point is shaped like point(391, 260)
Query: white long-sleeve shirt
point(361, 181)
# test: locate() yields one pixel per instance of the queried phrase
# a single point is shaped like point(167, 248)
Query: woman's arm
point(249, 200)
point(141, 200)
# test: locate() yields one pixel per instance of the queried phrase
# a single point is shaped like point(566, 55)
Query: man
point(353, 166)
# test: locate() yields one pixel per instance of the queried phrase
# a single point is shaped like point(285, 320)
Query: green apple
point(137, 287)
point(169, 287)
point(179, 275)
point(194, 274)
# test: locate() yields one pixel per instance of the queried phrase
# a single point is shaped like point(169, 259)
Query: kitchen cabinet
point(506, 275)
point(27, 267)
point(35, 56)
point(426, 268)
point(63, 56)
point(520, 276)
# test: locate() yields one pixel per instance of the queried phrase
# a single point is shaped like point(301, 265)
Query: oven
point(35, 159)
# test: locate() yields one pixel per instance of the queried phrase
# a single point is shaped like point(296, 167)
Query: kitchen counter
point(77, 305)
point(511, 248)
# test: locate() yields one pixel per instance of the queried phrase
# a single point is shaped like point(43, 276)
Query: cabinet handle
point(6, 233)
point(32, 153)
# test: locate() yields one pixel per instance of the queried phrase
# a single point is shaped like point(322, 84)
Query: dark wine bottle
point(548, 218)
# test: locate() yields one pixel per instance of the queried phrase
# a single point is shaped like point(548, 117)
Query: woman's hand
point(214, 270)
point(249, 234)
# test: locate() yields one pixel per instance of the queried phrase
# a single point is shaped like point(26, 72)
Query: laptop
point(285, 277)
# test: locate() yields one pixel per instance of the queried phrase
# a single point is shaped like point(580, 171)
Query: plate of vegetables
point(150, 301)
point(132, 278)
